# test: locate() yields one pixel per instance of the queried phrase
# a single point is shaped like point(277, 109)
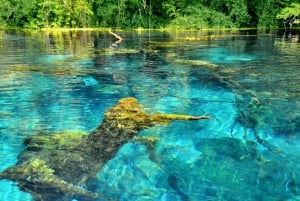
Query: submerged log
point(52, 168)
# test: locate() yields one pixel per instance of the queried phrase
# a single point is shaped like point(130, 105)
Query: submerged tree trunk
point(53, 167)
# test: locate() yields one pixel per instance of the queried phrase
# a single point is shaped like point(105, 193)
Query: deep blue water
point(248, 83)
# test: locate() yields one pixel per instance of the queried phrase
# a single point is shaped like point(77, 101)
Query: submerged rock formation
point(57, 166)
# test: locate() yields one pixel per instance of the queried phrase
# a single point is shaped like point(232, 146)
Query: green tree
point(137, 13)
point(45, 13)
point(238, 12)
point(16, 13)
point(199, 17)
point(267, 12)
point(64, 13)
point(107, 13)
point(123, 13)
point(148, 13)
point(290, 15)
point(207, 13)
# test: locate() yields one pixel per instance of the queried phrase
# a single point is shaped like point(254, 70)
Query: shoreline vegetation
point(149, 14)
point(176, 34)
point(141, 29)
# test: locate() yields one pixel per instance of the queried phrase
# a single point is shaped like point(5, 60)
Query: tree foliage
point(201, 17)
point(148, 13)
point(290, 15)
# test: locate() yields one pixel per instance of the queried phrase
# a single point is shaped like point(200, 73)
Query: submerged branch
point(118, 41)
point(116, 35)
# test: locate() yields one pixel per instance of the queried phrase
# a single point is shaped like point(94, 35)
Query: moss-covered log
point(57, 166)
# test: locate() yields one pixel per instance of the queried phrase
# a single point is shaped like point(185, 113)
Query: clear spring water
point(249, 84)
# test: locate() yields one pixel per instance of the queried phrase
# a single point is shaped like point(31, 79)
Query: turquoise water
point(248, 83)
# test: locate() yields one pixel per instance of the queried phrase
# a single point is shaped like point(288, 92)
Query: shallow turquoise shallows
point(249, 83)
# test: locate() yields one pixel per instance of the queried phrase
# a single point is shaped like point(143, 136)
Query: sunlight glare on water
point(248, 83)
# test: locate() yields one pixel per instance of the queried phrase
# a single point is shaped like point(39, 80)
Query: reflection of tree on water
point(116, 67)
point(67, 42)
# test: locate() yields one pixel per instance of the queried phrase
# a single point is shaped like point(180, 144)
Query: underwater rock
point(89, 81)
point(224, 55)
point(56, 167)
point(197, 63)
point(232, 166)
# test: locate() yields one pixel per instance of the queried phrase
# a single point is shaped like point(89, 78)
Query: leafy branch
point(290, 15)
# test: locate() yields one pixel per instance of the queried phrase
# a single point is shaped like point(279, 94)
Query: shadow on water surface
point(248, 83)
